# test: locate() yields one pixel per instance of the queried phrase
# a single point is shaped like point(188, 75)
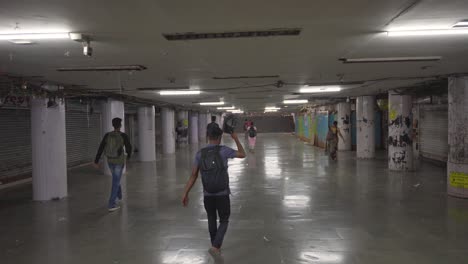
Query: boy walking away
point(210, 127)
point(113, 145)
point(252, 131)
point(212, 163)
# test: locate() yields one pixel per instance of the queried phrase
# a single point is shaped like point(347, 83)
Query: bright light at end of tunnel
point(295, 101)
point(179, 92)
point(320, 89)
point(212, 103)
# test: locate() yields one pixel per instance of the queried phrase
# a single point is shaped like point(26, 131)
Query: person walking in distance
point(212, 163)
point(252, 131)
point(210, 126)
point(113, 145)
point(332, 140)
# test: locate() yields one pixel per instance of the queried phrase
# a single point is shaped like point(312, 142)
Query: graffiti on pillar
point(399, 158)
point(400, 131)
point(346, 121)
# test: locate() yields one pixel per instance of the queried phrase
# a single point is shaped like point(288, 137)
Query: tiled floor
point(290, 204)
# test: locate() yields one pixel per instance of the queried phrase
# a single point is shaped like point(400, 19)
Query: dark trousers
point(217, 206)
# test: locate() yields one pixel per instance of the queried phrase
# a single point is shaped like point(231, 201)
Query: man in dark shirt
point(210, 127)
point(215, 203)
point(113, 145)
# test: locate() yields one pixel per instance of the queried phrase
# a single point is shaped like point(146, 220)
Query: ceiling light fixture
point(179, 92)
point(463, 23)
point(29, 36)
point(320, 89)
point(227, 108)
point(212, 103)
point(428, 32)
point(105, 68)
point(21, 41)
point(391, 59)
point(272, 108)
point(236, 111)
point(295, 101)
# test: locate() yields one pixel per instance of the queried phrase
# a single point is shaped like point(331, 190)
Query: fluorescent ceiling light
point(320, 89)
point(431, 32)
point(463, 23)
point(179, 92)
point(29, 36)
point(295, 101)
point(235, 111)
point(21, 41)
point(272, 108)
point(212, 103)
point(391, 59)
point(106, 68)
point(227, 108)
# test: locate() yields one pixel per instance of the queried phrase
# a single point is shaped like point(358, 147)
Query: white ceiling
point(129, 32)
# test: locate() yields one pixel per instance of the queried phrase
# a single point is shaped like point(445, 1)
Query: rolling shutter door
point(434, 133)
point(83, 136)
point(15, 142)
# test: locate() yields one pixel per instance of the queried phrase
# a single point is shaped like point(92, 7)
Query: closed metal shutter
point(83, 136)
point(15, 142)
point(433, 131)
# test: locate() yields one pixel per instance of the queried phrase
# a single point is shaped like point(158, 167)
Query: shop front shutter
point(83, 136)
point(15, 142)
point(433, 131)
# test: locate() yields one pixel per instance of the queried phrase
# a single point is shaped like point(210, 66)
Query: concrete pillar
point(193, 124)
point(168, 130)
point(111, 109)
point(344, 124)
point(365, 117)
point(49, 154)
point(146, 133)
point(202, 127)
point(400, 125)
point(208, 118)
point(221, 121)
point(457, 165)
point(182, 115)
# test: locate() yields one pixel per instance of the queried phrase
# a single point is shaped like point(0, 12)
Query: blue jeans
point(116, 190)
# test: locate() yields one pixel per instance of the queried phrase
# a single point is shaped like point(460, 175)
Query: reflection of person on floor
point(212, 163)
point(113, 145)
point(252, 132)
point(332, 140)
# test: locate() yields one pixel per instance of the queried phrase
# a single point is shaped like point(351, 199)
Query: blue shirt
point(226, 153)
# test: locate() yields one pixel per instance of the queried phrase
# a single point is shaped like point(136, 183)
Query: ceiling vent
point(233, 34)
point(104, 68)
point(163, 88)
point(246, 77)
